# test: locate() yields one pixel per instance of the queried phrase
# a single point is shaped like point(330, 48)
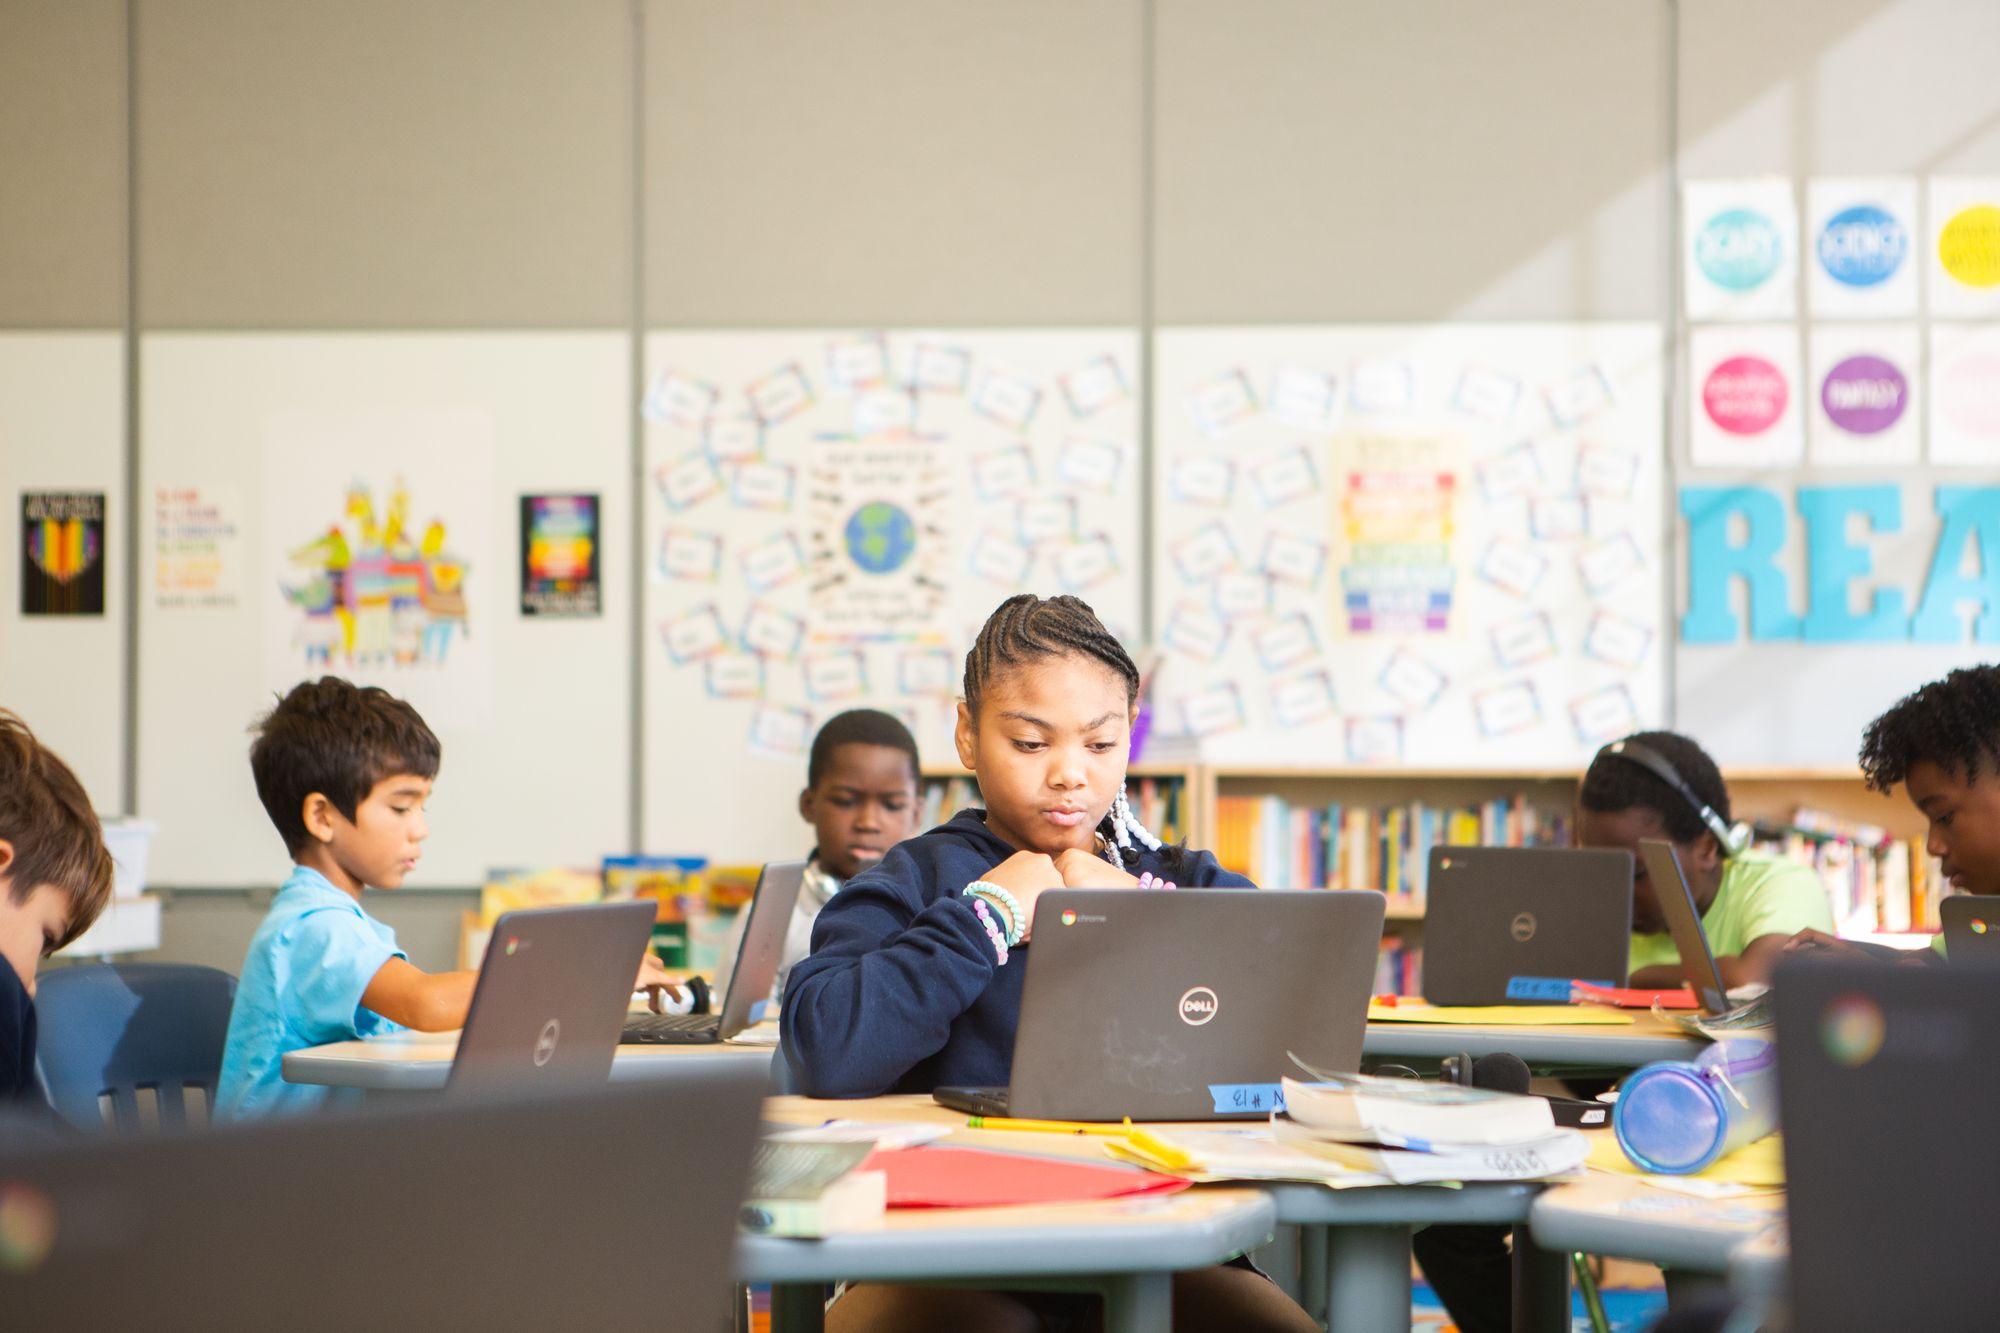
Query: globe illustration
point(880, 537)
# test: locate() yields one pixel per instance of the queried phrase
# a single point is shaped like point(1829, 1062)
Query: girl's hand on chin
point(1025, 875)
point(1086, 870)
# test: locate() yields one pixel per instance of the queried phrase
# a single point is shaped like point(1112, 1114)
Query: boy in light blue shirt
point(344, 773)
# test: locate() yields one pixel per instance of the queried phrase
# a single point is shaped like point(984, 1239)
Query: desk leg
point(1313, 1244)
point(1541, 1286)
point(1138, 1302)
point(798, 1307)
point(1368, 1279)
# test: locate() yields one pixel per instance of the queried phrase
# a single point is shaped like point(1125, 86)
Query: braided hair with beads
point(1953, 723)
point(1025, 629)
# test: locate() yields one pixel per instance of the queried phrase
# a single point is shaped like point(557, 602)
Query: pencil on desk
point(1045, 1126)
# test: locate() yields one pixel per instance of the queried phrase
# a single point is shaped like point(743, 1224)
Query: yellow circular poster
point(1969, 246)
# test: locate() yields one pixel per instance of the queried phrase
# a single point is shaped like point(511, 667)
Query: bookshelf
point(1867, 848)
point(1161, 795)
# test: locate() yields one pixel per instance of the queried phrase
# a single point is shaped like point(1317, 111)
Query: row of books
point(1159, 803)
point(1280, 845)
point(1399, 968)
point(1874, 882)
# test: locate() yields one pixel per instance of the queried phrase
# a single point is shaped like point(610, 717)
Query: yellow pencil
point(1046, 1126)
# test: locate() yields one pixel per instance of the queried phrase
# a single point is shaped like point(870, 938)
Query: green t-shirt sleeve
point(1761, 896)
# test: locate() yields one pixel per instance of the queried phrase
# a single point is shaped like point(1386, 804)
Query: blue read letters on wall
point(1739, 532)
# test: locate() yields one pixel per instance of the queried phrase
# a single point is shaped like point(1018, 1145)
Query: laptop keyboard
point(670, 1029)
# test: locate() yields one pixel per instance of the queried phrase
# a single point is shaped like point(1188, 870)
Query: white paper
point(1965, 395)
point(1963, 221)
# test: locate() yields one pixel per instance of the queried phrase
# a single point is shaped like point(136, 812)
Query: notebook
point(1676, 898)
point(551, 995)
point(524, 1210)
point(1185, 1005)
point(750, 978)
point(1516, 925)
point(1971, 927)
point(1888, 1077)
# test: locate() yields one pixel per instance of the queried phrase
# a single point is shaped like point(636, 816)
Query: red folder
point(941, 1177)
point(1625, 998)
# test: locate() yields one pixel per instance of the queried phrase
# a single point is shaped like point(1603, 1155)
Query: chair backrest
point(133, 1046)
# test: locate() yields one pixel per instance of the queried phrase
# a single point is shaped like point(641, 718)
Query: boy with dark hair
point(1941, 744)
point(344, 773)
point(55, 878)
point(861, 799)
point(1658, 784)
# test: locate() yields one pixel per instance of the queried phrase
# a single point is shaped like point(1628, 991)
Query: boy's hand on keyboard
point(1087, 870)
point(655, 980)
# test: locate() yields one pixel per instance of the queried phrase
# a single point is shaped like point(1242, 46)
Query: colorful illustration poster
point(197, 549)
point(559, 556)
point(1740, 248)
point(1864, 395)
point(1745, 389)
point(1396, 518)
point(1964, 262)
point(379, 554)
point(1862, 248)
point(62, 553)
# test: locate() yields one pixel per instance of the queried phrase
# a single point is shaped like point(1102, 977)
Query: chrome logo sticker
point(1851, 1029)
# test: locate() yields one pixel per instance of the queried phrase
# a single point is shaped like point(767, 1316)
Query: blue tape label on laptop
point(1245, 1097)
point(1546, 988)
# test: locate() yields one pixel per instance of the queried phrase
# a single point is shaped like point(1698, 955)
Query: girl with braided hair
point(915, 976)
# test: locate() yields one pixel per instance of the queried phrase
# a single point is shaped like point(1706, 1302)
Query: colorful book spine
point(1386, 848)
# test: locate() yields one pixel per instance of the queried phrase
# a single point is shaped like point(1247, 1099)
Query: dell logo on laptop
point(545, 1044)
point(1523, 927)
point(1197, 1006)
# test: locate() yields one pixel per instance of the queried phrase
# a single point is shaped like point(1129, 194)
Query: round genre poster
point(378, 557)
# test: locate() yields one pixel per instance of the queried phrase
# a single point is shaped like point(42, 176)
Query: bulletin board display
point(830, 517)
point(1439, 547)
point(360, 505)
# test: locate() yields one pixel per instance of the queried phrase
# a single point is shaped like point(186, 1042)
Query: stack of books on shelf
point(1875, 882)
point(1158, 802)
point(1284, 846)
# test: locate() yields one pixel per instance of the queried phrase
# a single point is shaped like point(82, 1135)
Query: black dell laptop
point(1186, 1005)
point(750, 980)
point(1516, 925)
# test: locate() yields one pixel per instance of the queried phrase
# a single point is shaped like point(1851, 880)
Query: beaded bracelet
point(1017, 923)
point(992, 930)
point(1152, 881)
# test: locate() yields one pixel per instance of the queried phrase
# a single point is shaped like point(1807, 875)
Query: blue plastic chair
point(122, 1044)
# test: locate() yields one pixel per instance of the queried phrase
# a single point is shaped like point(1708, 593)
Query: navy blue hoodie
point(902, 992)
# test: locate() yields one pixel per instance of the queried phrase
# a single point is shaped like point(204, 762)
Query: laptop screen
point(1676, 899)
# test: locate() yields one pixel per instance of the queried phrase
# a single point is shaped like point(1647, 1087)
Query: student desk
point(1356, 1253)
point(409, 1062)
point(1127, 1250)
point(1623, 1216)
point(1606, 1047)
